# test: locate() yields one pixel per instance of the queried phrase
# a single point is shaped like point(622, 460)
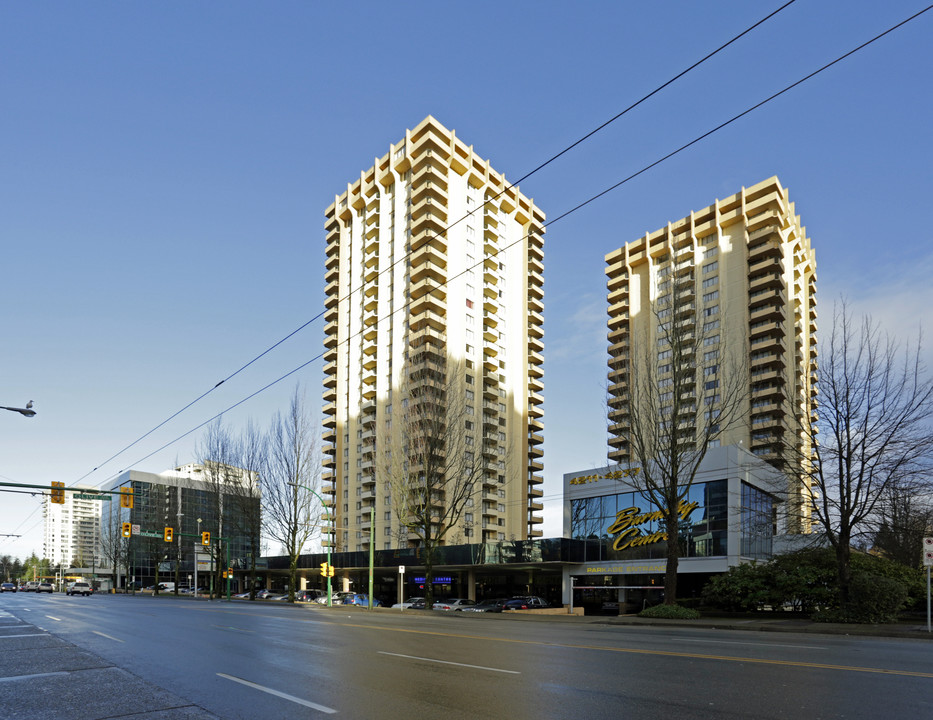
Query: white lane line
point(6, 637)
point(109, 637)
point(754, 644)
point(54, 618)
point(285, 696)
point(447, 662)
point(30, 677)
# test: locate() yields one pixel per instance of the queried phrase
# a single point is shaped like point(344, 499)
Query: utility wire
point(574, 209)
point(508, 186)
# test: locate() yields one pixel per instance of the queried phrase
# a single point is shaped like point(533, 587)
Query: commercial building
point(434, 295)
point(72, 529)
point(190, 500)
point(729, 516)
point(613, 551)
point(724, 294)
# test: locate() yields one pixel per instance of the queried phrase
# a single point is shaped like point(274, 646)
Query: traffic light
point(58, 492)
point(205, 538)
point(127, 529)
point(168, 534)
point(327, 570)
point(126, 497)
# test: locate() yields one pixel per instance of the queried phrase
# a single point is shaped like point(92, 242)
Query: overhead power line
point(507, 187)
point(581, 205)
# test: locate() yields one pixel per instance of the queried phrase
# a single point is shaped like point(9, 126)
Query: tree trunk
point(844, 570)
point(672, 525)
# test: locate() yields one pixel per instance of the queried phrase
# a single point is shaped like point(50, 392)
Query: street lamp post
point(26, 411)
point(196, 561)
point(329, 542)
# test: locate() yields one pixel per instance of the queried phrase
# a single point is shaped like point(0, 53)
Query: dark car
point(8, 587)
point(491, 606)
point(525, 602)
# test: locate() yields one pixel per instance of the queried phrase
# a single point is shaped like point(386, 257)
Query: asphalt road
point(180, 658)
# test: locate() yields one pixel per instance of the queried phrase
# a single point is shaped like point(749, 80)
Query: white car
point(80, 588)
point(407, 604)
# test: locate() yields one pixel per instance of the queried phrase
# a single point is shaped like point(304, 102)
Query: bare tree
point(438, 455)
point(289, 482)
point(218, 454)
point(905, 518)
point(247, 495)
point(111, 543)
point(873, 439)
point(677, 406)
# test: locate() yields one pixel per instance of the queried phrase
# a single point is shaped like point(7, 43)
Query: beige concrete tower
point(743, 272)
point(434, 274)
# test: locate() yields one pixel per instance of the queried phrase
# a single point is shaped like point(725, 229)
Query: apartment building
point(739, 277)
point(434, 276)
point(72, 529)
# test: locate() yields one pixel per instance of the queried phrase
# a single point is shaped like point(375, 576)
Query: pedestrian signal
point(126, 497)
point(58, 492)
point(127, 530)
point(169, 532)
point(205, 538)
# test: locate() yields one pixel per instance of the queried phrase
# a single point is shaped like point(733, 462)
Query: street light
point(26, 411)
point(329, 542)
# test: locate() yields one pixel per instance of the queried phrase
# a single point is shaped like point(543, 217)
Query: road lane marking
point(448, 662)
point(4, 637)
point(277, 693)
point(231, 627)
point(54, 618)
point(662, 653)
point(737, 642)
point(109, 637)
point(14, 678)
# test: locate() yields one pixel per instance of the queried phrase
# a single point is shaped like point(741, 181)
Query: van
point(167, 587)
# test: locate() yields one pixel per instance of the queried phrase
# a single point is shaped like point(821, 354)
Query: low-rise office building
point(729, 516)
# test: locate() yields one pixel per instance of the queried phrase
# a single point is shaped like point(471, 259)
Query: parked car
point(359, 599)
point(31, 586)
point(80, 588)
point(336, 598)
point(491, 606)
point(525, 602)
point(45, 586)
point(7, 587)
point(309, 595)
point(408, 603)
point(456, 604)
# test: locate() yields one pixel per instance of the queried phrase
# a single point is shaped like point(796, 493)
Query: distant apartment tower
point(744, 269)
point(433, 261)
point(72, 530)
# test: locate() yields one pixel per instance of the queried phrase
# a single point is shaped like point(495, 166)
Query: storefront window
point(623, 527)
point(757, 522)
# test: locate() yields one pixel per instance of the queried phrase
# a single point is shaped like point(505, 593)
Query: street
point(269, 660)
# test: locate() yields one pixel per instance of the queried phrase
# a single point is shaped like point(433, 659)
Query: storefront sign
point(614, 475)
point(627, 569)
point(627, 525)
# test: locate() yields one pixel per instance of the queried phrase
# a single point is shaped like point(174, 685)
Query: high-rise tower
point(434, 275)
point(740, 275)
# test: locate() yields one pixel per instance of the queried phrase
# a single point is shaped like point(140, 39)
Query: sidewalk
point(916, 630)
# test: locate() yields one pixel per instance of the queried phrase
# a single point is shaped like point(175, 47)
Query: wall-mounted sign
point(442, 579)
point(614, 475)
point(628, 524)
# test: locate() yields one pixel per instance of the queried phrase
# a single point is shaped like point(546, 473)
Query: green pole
point(372, 538)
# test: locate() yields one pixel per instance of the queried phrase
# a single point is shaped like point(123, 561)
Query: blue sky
point(164, 169)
